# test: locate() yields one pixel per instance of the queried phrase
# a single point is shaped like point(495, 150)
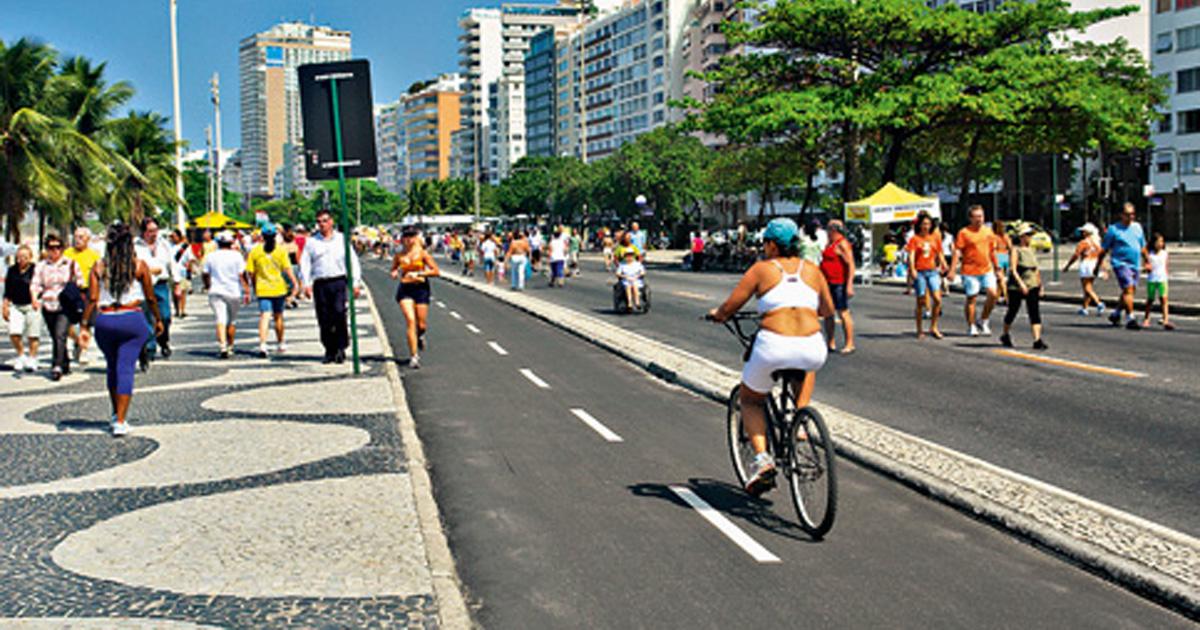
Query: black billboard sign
point(355, 108)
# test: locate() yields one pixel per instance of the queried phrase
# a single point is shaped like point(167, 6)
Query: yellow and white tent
point(892, 204)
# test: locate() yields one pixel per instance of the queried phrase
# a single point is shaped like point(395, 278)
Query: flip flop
point(937, 334)
point(847, 350)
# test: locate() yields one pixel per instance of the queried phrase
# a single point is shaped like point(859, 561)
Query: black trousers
point(1031, 300)
point(57, 325)
point(329, 297)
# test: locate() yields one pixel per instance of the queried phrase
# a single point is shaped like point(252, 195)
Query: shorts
point(556, 268)
point(773, 352)
point(271, 304)
point(1127, 277)
point(928, 281)
point(1002, 260)
point(468, 257)
point(23, 321)
point(633, 282)
point(972, 285)
point(225, 308)
point(1087, 268)
point(608, 252)
point(1155, 290)
point(489, 264)
point(418, 292)
point(184, 286)
point(841, 301)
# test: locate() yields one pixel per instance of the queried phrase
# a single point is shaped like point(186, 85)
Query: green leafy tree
point(666, 165)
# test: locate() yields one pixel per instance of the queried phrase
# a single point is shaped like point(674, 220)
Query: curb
point(1147, 558)
point(447, 587)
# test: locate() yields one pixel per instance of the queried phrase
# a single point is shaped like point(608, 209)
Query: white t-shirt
point(225, 267)
point(558, 248)
point(488, 248)
point(1158, 267)
point(630, 270)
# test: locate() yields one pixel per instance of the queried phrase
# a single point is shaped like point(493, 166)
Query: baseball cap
point(782, 231)
point(268, 229)
point(225, 236)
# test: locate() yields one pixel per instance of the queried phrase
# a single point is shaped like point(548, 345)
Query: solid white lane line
point(500, 351)
point(533, 378)
point(596, 426)
point(455, 315)
point(725, 526)
point(472, 328)
point(441, 304)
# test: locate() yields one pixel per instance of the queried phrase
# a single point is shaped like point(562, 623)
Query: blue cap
point(268, 228)
point(782, 231)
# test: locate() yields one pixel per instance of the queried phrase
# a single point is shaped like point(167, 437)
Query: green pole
point(337, 141)
point(1057, 214)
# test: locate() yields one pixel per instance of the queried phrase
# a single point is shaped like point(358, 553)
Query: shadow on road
point(732, 501)
point(100, 426)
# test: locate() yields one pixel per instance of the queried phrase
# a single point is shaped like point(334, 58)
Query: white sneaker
point(973, 331)
point(762, 475)
point(414, 362)
point(120, 428)
point(282, 348)
point(84, 359)
point(17, 364)
point(262, 351)
point(32, 364)
point(985, 328)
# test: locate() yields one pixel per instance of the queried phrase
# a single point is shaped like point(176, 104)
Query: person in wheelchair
point(792, 299)
point(631, 276)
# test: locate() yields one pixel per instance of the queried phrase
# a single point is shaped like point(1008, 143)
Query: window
point(1187, 80)
point(1187, 38)
point(1164, 123)
point(1189, 162)
point(1189, 121)
point(1163, 6)
point(1162, 43)
point(1185, 4)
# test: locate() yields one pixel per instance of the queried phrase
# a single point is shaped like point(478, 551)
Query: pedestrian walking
point(470, 253)
point(557, 249)
point(24, 323)
point(697, 247)
point(837, 265)
point(1126, 241)
point(414, 266)
point(158, 255)
point(1156, 281)
point(975, 247)
point(518, 260)
point(323, 268)
point(1004, 246)
point(271, 277)
point(50, 277)
point(120, 283)
point(535, 249)
point(225, 280)
point(573, 247)
point(606, 248)
point(185, 263)
point(85, 258)
point(1087, 252)
point(925, 269)
point(489, 251)
point(1025, 287)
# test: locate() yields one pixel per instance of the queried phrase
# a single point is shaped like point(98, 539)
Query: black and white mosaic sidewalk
point(251, 493)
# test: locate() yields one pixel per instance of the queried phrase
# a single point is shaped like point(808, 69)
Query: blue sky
point(405, 40)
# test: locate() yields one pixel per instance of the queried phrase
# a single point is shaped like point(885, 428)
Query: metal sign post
point(341, 171)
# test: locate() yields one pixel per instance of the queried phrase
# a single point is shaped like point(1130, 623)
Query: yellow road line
point(694, 296)
point(1087, 367)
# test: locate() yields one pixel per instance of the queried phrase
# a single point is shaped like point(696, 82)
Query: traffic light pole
point(337, 141)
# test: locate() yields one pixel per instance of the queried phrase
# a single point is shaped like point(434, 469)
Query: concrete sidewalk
point(251, 492)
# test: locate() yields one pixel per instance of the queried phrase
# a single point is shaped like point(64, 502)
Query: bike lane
point(554, 523)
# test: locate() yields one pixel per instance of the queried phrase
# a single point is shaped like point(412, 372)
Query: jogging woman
point(414, 266)
point(118, 286)
point(792, 298)
point(1087, 252)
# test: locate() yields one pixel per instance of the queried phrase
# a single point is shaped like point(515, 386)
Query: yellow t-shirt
point(85, 259)
point(268, 271)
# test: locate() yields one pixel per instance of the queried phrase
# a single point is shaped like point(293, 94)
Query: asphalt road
point(1128, 441)
point(553, 525)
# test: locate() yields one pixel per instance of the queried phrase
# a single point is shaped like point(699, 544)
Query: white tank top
point(133, 293)
point(1158, 267)
point(792, 291)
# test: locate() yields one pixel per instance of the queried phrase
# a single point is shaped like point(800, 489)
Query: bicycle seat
point(791, 375)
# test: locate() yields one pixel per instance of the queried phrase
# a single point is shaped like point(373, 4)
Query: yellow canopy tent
point(217, 221)
point(891, 204)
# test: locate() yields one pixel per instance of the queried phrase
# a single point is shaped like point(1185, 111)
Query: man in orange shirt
point(975, 246)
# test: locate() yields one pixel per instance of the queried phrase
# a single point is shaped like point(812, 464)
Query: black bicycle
point(797, 438)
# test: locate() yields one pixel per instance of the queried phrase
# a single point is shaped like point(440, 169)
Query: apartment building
point(1175, 55)
point(431, 117)
point(271, 125)
point(540, 89)
point(391, 146)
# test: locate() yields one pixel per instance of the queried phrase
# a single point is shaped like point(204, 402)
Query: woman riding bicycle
point(792, 299)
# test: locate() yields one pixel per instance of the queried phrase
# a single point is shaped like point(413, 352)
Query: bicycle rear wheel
point(741, 453)
point(813, 474)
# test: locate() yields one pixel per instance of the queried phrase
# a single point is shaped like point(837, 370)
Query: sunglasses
point(55, 246)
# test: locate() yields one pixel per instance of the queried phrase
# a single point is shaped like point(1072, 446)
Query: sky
point(405, 41)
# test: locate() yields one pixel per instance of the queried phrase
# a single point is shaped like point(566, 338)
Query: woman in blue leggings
point(119, 285)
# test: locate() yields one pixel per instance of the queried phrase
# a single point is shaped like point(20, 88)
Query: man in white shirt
point(158, 255)
point(558, 258)
point(323, 272)
point(225, 279)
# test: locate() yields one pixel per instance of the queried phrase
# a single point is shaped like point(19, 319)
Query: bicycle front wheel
point(741, 453)
point(813, 474)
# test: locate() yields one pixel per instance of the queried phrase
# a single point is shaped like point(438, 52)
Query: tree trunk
point(810, 189)
point(968, 172)
point(762, 203)
point(850, 164)
point(892, 162)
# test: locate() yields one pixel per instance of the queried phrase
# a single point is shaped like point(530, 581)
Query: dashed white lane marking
point(533, 378)
point(500, 351)
point(472, 328)
point(455, 315)
point(596, 425)
point(441, 304)
point(1078, 365)
point(725, 526)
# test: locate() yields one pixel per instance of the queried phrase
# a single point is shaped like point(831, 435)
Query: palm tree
point(145, 170)
point(424, 197)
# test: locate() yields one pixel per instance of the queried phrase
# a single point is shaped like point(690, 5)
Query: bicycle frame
point(779, 426)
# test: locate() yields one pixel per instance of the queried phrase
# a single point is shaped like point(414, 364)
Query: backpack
point(70, 299)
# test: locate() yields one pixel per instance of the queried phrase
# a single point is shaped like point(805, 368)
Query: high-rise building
point(506, 132)
point(431, 117)
point(1175, 55)
point(390, 144)
point(540, 88)
point(270, 101)
point(493, 45)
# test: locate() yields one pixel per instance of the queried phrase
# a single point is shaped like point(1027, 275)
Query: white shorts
point(225, 308)
point(1087, 268)
point(773, 352)
point(23, 321)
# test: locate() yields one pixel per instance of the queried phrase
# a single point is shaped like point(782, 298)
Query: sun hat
point(224, 236)
point(782, 231)
point(1028, 230)
point(1089, 228)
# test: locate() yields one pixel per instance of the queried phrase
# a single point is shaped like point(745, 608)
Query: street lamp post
point(180, 217)
point(219, 193)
